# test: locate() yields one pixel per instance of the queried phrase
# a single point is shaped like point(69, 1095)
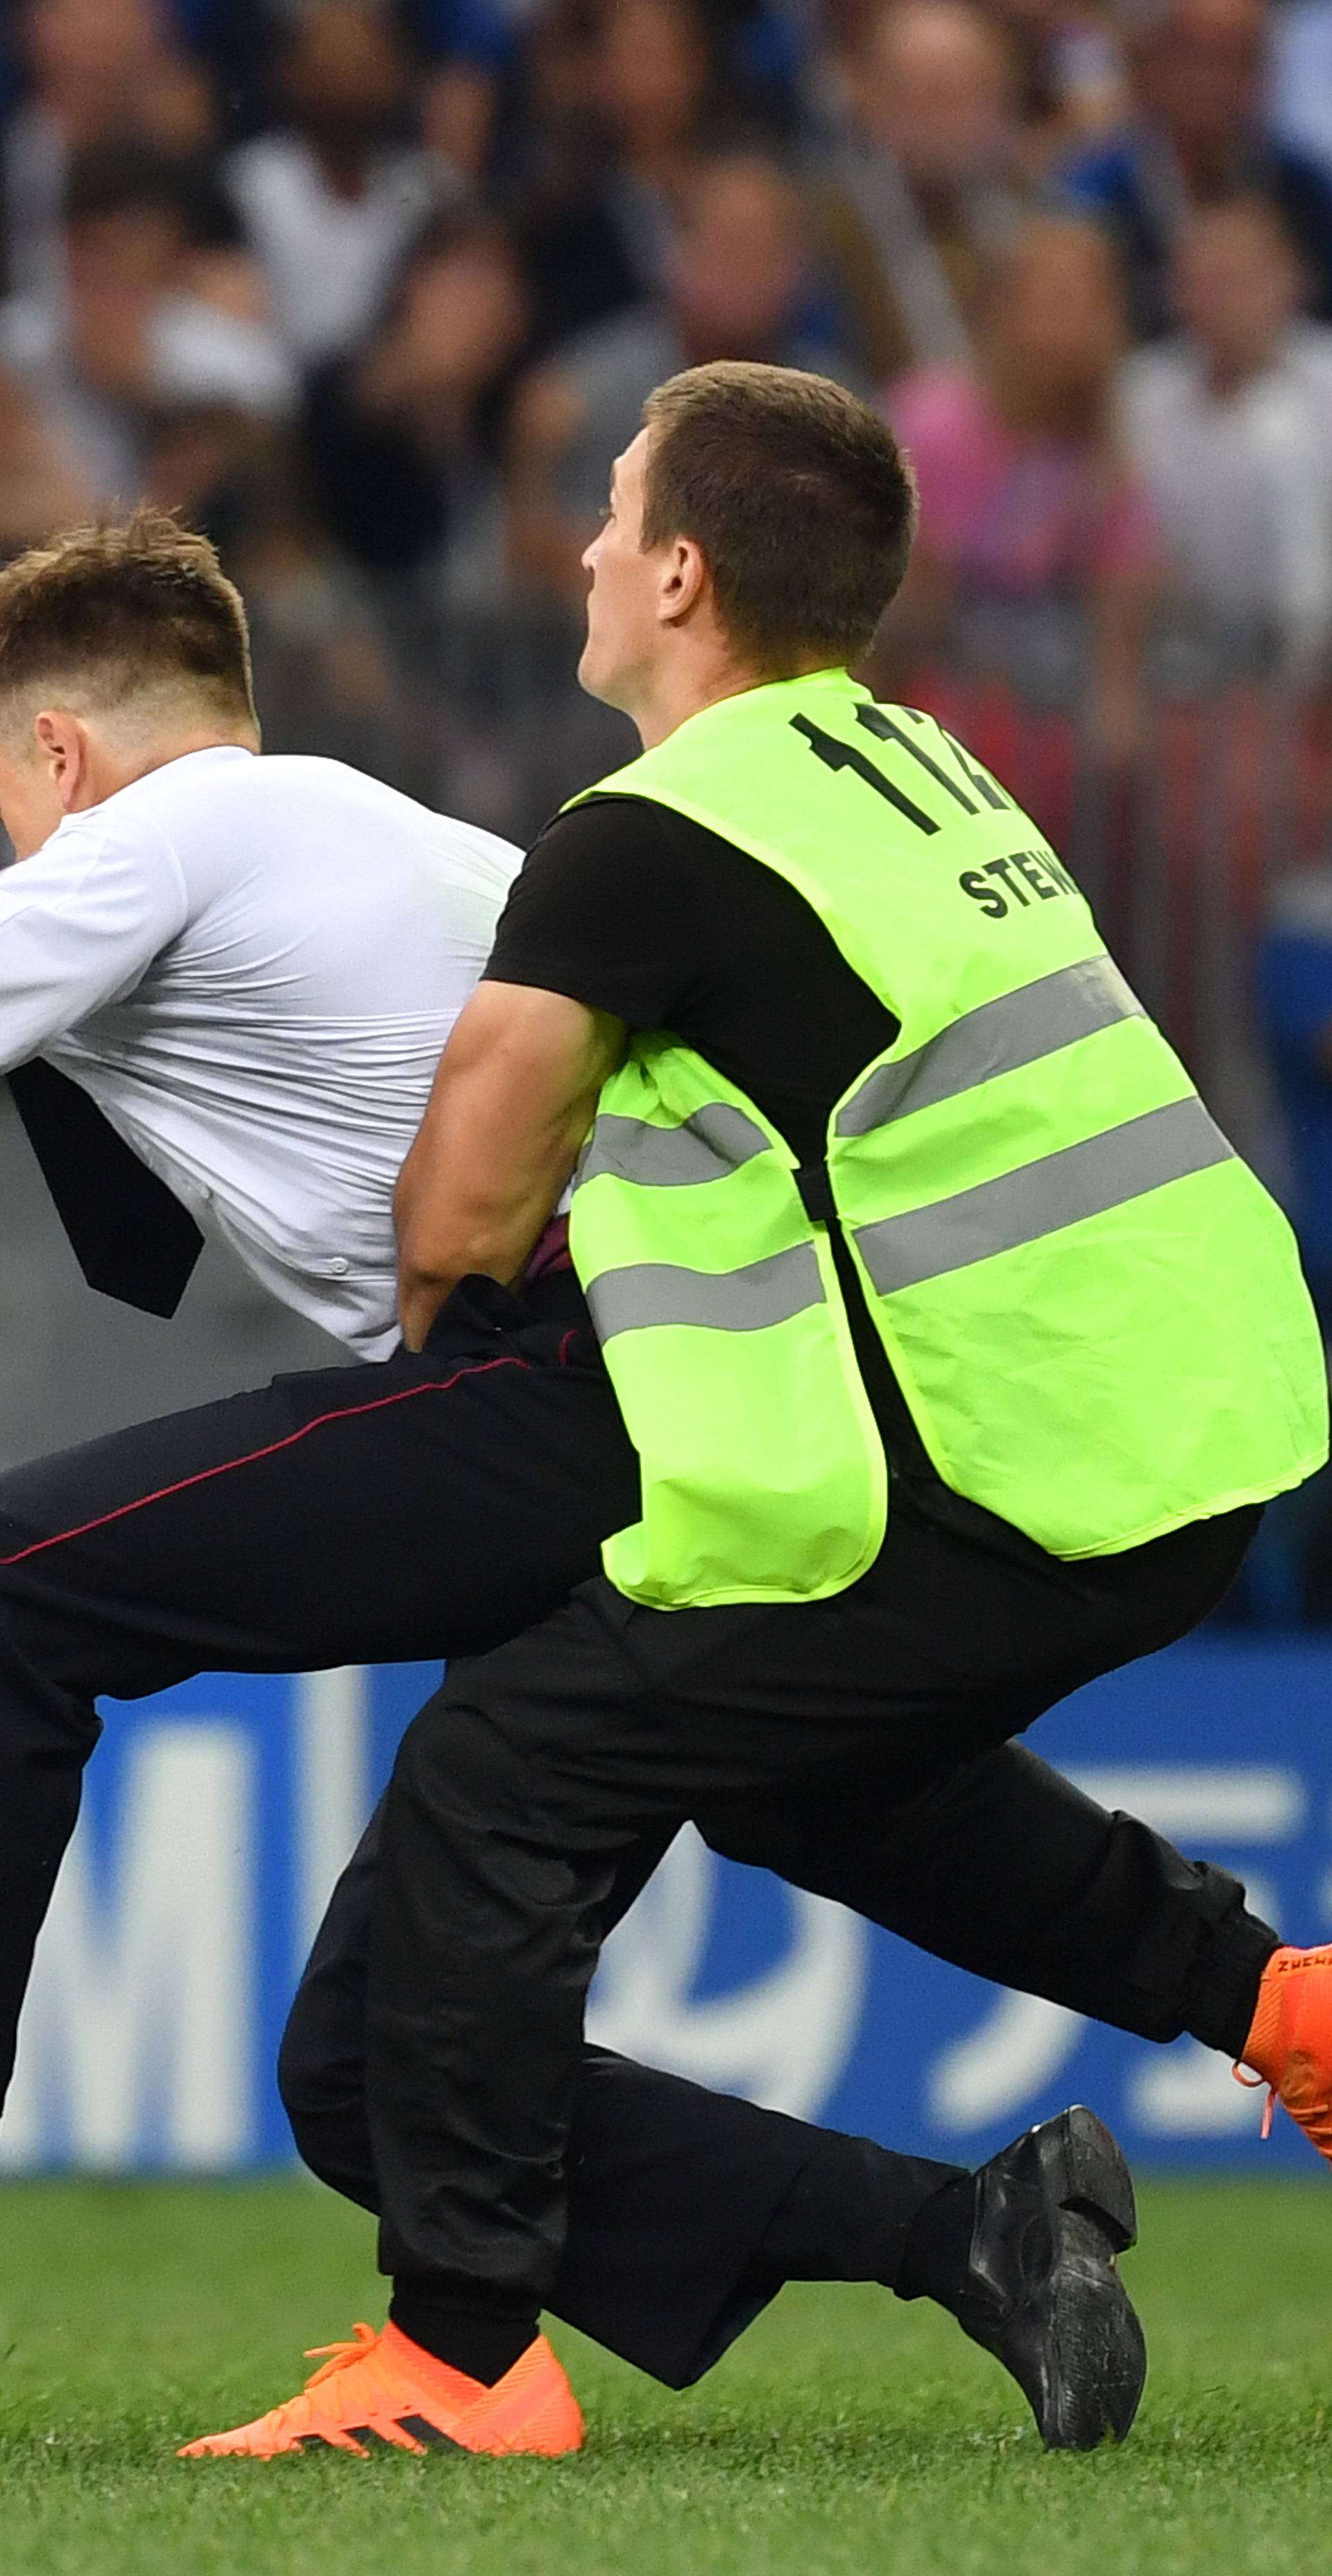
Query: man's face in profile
point(624, 630)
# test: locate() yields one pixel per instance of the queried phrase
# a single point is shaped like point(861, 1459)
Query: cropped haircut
point(126, 610)
point(799, 496)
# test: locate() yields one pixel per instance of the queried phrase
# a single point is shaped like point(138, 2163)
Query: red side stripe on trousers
point(348, 1413)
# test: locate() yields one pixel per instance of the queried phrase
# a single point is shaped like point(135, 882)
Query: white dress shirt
point(252, 965)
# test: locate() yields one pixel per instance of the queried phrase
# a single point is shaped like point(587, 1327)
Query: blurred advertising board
point(217, 1816)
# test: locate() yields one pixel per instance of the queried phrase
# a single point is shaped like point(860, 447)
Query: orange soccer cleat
point(381, 2389)
point(1289, 2046)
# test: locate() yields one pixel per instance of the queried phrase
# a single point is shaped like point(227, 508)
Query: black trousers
point(671, 2186)
point(822, 1735)
point(400, 1511)
point(1002, 1867)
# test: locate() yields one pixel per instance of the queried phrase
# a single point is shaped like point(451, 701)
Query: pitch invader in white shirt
point(248, 967)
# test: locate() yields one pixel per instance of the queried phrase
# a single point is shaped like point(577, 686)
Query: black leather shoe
point(1042, 2292)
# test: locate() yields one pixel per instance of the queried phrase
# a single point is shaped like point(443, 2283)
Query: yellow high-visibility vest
point(1093, 1309)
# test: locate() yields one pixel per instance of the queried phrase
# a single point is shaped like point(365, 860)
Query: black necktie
point(130, 1237)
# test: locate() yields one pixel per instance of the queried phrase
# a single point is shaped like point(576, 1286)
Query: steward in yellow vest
point(971, 1398)
point(1093, 1309)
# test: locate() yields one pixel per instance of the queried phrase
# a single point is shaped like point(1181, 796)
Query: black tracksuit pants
point(434, 1505)
point(827, 1736)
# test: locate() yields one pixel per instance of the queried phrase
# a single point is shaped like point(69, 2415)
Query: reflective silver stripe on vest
point(715, 1141)
point(1019, 1028)
point(1042, 1198)
point(730, 1301)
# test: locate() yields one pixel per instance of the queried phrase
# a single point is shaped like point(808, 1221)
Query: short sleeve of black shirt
point(631, 908)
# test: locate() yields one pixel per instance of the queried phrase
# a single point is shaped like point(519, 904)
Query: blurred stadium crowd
point(374, 292)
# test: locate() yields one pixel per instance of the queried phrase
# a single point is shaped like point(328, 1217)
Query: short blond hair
point(106, 615)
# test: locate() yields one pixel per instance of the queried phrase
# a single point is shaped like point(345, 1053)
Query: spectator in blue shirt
point(1199, 135)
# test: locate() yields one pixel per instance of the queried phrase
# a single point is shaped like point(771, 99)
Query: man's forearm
point(489, 1250)
point(514, 1097)
point(492, 1237)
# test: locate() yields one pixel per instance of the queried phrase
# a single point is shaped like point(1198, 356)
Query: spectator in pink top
point(1026, 498)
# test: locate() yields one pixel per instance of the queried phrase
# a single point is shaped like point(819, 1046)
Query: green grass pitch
point(847, 2436)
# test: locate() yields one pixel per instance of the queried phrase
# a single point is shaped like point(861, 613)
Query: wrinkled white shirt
point(252, 965)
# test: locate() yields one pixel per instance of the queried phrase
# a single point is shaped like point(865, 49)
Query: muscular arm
point(512, 1102)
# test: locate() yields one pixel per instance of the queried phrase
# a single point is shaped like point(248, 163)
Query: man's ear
point(683, 581)
point(62, 743)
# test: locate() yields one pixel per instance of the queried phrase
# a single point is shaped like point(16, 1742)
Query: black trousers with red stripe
point(435, 1506)
point(406, 1510)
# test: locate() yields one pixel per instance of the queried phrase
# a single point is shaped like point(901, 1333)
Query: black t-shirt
point(631, 908)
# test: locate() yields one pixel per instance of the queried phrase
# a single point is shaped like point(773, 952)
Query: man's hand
point(513, 1100)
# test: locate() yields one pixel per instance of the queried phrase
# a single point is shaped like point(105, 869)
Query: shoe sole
point(1099, 2357)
